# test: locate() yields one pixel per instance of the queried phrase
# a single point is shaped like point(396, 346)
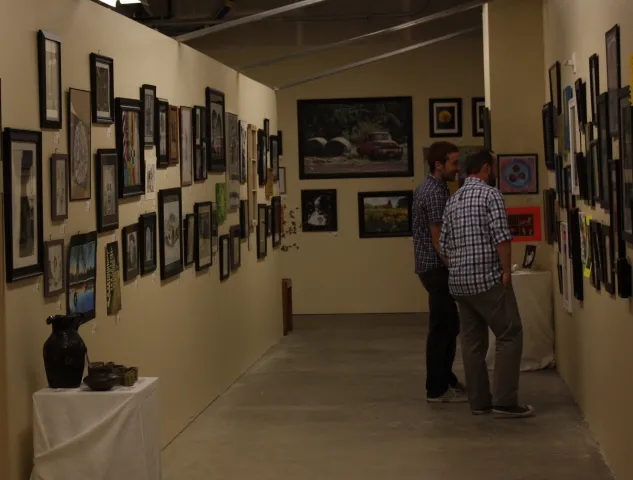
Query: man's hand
point(506, 279)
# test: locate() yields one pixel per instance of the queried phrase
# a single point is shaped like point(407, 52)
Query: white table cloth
point(533, 291)
point(81, 434)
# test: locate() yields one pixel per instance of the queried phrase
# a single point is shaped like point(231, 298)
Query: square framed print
point(113, 278)
point(147, 242)
point(233, 158)
point(102, 89)
point(525, 224)
point(59, 187)
point(319, 210)
point(162, 134)
point(477, 114)
point(216, 130)
point(612, 40)
point(243, 151)
point(54, 283)
point(276, 227)
point(236, 247)
point(186, 147)
point(594, 85)
point(23, 217)
point(555, 88)
point(173, 135)
point(202, 239)
point(82, 276)
point(129, 147)
point(385, 214)
point(189, 233)
point(79, 144)
point(130, 243)
point(107, 190)
point(445, 117)
point(626, 157)
point(518, 173)
point(148, 104)
point(225, 257)
point(49, 62)
point(549, 134)
point(604, 150)
point(262, 236)
point(170, 232)
point(274, 156)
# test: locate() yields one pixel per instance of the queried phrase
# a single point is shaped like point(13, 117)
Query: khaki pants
point(497, 309)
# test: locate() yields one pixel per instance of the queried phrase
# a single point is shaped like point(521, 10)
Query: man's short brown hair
point(439, 152)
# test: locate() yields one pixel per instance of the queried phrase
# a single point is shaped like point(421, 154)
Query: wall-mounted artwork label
point(79, 135)
point(355, 137)
point(113, 278)
point(82, 275)
point(518, 174)
point(385, 214)
point(525, 224)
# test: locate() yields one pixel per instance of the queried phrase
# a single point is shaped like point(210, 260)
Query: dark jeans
point(443, 330)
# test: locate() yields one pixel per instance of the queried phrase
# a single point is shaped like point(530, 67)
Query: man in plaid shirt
point(476, 242)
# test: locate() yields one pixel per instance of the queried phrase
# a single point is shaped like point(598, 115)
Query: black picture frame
point(58, 174)
point(608, 258)
point(200, 172)
point(236, 247)
point(604, 140)
point(558, 176)
point(54, 266)
point(393, 122)
point(269, 221)
point(28, 212)
point(216, 132)
point(274, 156)
point(275, 204)
point(580, 92)
point(244, 227)
point(48, 119)
point(477, 105)
point(189, 236)
point(161, 129)
point(102, 71)
point(147, 242)
point(576, 254)
point(148, 123)
point(595, 232)
point(215, 228)
point(439, 128)
point(319, 210)
point(130, 248)
point(202, 242)
point(84, 245)
point(262, 237)
point(594, 85)
point(621, 267)
point(581, 172)
point(597, 181)
point(170, 232)
point(173, 134)
point(225, 254)
point(626, 164)
point(266, 138)
point(377, 227)
point(107, 193)
point(262, 168)
point(186, 142)
point(549, 135)
point(612, 41)
point(280, 139)
point(555, 90)
point(487, 129)
point(567, 195)
point(79, 144)
point(590, 166)
point(123, 107)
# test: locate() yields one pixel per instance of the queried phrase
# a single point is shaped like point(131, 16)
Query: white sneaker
point(449, 396)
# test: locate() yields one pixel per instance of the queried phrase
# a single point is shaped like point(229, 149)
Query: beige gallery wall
point(195, 333)
point(593, 343)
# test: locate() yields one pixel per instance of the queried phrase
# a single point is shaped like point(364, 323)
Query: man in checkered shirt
point(476, 242)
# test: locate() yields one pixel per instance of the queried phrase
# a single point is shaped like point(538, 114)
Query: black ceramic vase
point(64, 352)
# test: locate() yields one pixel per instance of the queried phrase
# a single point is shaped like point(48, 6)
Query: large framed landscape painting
point(355, 137)
point(385, 214)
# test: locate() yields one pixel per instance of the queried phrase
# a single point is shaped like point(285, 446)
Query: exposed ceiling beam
point(377, 58)
point(340, 43)
point(245, 20)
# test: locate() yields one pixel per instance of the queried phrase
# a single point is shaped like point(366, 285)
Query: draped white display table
point(533, 291)
point(81, 434)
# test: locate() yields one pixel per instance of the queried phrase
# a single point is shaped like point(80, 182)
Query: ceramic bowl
point(100, 383)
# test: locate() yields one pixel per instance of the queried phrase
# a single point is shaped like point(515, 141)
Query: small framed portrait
point(79, 144)
point(262, 238)
point(173, 133)
point(107, 190)
point(518, 173)
point(82, 275)
point(186, 147)
point(131, 152)
point(102, 89)
point(200, 171)
point(161, 132)
point(170, 232)
point(225, 252)
point(385, 214)
point(477, 115)
point(59, 187)
point(147, 231)
point(282, 181)
point(445, 117)
point(269, 221)
point(202, 241)
point(54, 268)
point(319, 211)
point(236, 247)
point(49, 61)
point(129, 240)
point(189, 231)
point(148, 106)
point(216, 130)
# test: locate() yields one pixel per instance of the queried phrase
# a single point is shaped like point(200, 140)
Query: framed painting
point(162, 134)
point(233, 177)
point(82, 275)
point(626, 156)
point(148, 105)
point(280, 139)
point(54, 283)
point(113, 278)
point(225, 257)
point(604, 150)
point(102, 89)
point(595, 232)
point(525, 224)
point(445, 117)
point(170, 229)
point(79, 148)
point(608, 256)
point(385, 214)
point(577, 253)
point(262, 237)
point(355, 137)
point(276, 227)
point(274, 156)
point(130, 148)
point(186, 147)
point(262, 168)
point(59, 186)
point(518, 174)
point(592, 173)
point(107, 194)
point(189, 234)
point(49, 62)
point(130, 243)
point(555, 88)
point(243, 151)
point(173, 135)
point(612, 40)
point(147, 242)
point(216, 130)
point(477, 114)
point(23, 217)
point(594, 85)
point(580, 90)
point(266, 135)
point(573, 135)
point(319, 210)
point(269, 221)
point(202, 238)
point(549, 134)
point(199, 148)
point(236, 247)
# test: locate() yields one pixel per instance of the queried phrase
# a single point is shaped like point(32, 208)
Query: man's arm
point(436, 232)
point(435, 209)
point(500, 232)
point(445, 237)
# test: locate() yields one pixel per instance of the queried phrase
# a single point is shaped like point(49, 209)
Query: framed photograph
point(529, 256)
point(162, 133)
point(262, 168)
point(199, 146)
point(216, 130)
point(49, 62)
point(525, 224)
point(608, 259)
point(189, 233)
point(595, 232)
point(274, 156)
point(266, 134)
point(130, 242)
point(612, 40)
point(568, 94)
point(233, 177)
point(276, 223)
point(604, 142)
point(487, 129)
point(243, 140)
point(269, 221)
point(626, 157)
point(385, 214)
point(215, 230)
point(580, 90)
point(477, 114)
point(129, 148)
point(82, 275)
point(591, 165)
point(355, 137)
point(225, 257)
point(148, 104)
point(282, 181)
point(147, 231)
point(236, 247)
point(565, 259)
point(576, 254)
point(170, 228)
point(54, 268)
point(244, 227)
point(594, 85)
point(107, 191)
point(173, 135)
point(262, 237)
point(221, 201)
point(113, 278)
point(150, 177)
point(79, 135)
point(186, 147)
point(23, 217)
point(549, 140)
point(319, 210)
point(555, 87)
point(102, 89)
point(573, 147)
point(518, 174)
point(202, 239)
point(59, 186)
point(445, 117)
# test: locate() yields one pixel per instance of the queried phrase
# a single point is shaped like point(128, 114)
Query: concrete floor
point(343, 397)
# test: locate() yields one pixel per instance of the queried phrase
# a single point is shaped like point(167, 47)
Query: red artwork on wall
point(525, 224)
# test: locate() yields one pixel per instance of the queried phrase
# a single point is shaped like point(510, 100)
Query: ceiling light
point(110, 3)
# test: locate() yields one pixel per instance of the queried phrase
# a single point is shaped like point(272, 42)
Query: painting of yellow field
point(385, 214)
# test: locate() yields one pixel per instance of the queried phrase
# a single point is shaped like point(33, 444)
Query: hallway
point(342, 397)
